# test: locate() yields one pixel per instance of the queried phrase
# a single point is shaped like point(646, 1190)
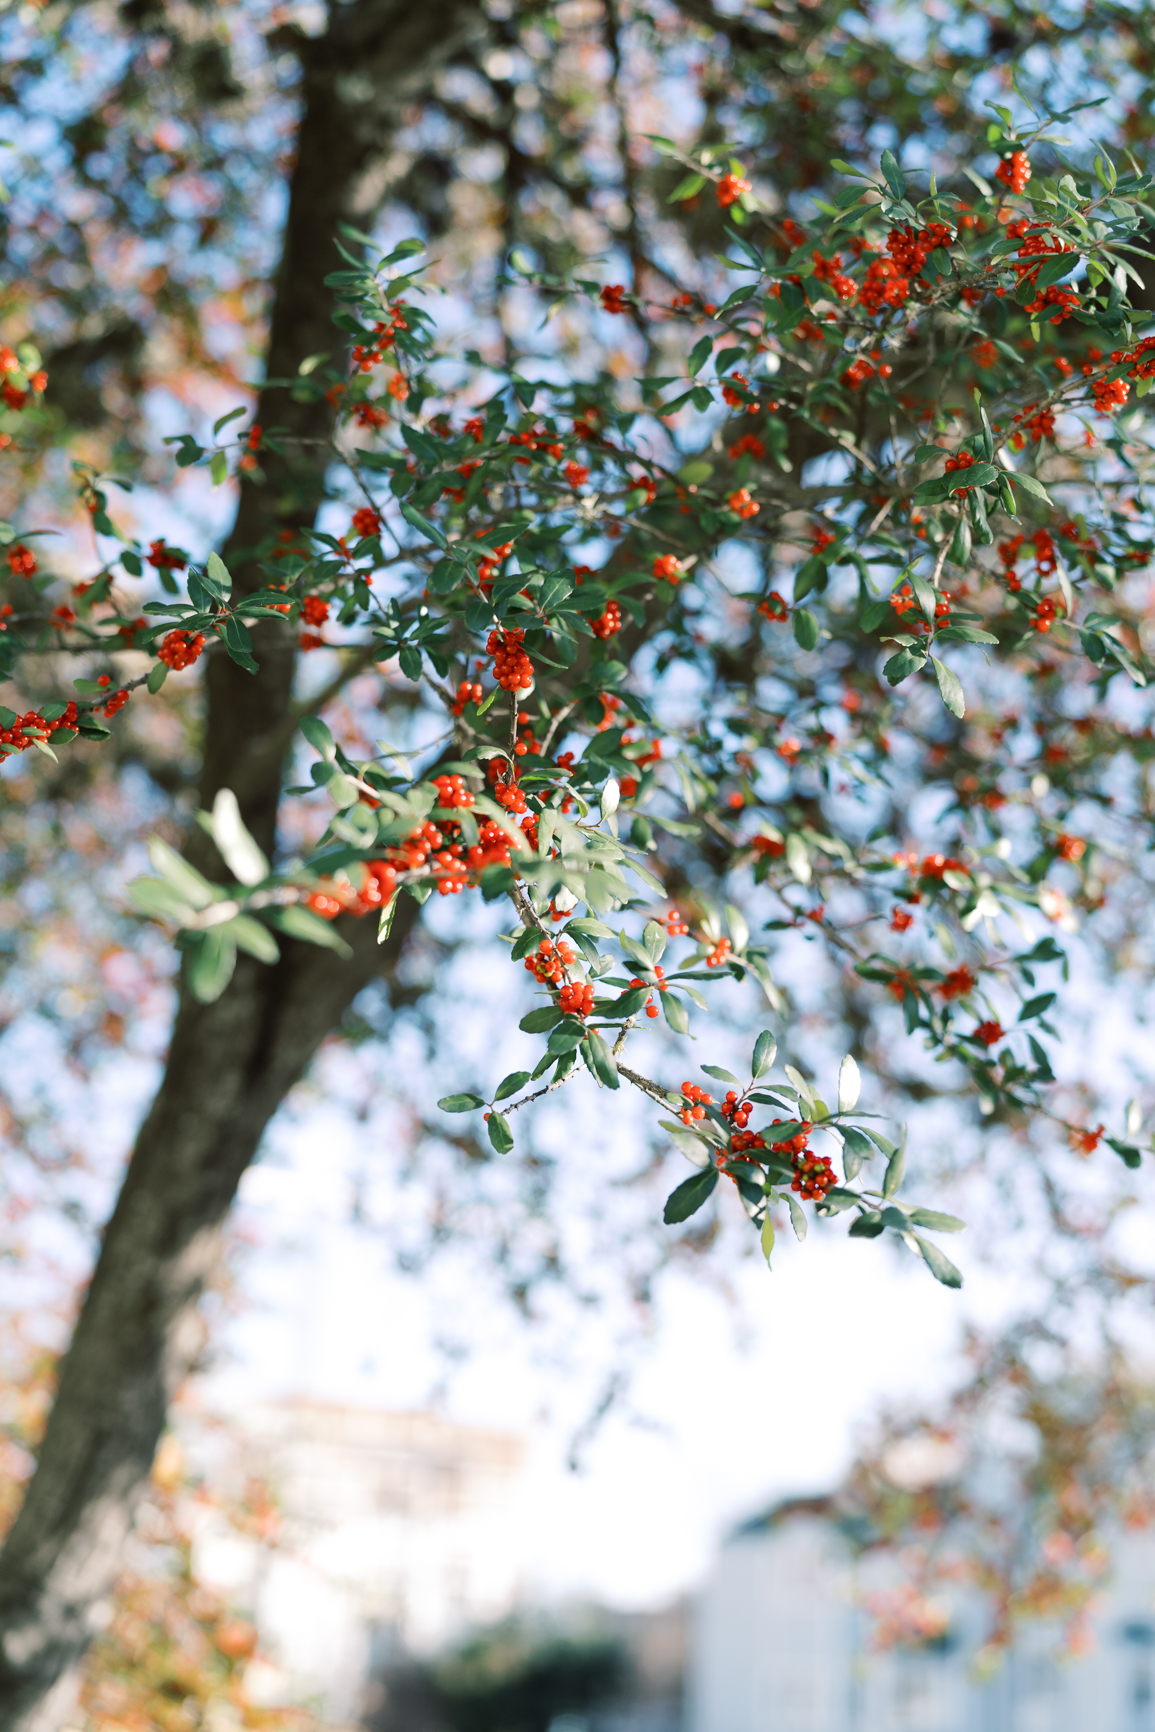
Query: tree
point(901, 317)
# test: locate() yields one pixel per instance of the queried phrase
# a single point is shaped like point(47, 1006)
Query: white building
point(396, 1532)
point(783, 1644)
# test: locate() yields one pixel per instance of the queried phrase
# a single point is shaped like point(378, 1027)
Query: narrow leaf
point(689, 1196)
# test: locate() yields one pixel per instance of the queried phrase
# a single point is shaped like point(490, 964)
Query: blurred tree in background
point(176, 178)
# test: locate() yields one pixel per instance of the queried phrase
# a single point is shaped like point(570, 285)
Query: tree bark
point(230, 1063)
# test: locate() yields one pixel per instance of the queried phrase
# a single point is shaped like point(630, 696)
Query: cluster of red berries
point(116, 702)
point(452, 792)
point(1038, 423)
point(698, 1100)
point(742, 1142)
point(738, 1110)
point(314, 610)
point(609, 623)
point(512, 668)
point(551, 960)
point(509, 796)
point(179, 649)
point(1046, 559)
point(719, 953)
point(1110, 394)
point(910, 249)
point(1014, 171)
point(931, 865)
point(769, 845)
point(320, 902)
point(662, 984)
point(735, 390)
point(813, 1176)
point(748, 445)
point(830, 271)
point(1063, 300)
point(793, 1145)
point(961, 460)
point(577, 999)
point(1069, 847)
point(774, 606)
point(613, 298)
point(858, 373)
point(468, 692)
point(900, 920)
point(676, 924)
point(1084, 1142)
point(883, 286)
point(165, 558)
point(730, 189)
point(487, 565)
point(365, 356)
point(668, 567)
point(1046, 612)
point(988, 1032)
point(904, 600)
point(958, 983)
point(741, 502)
point(21, 561)
point(27, 729)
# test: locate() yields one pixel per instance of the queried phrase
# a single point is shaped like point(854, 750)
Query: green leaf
point(715, 1070)
point(797, 858)
point(689, 1196)
point(410, 660)
point(196, 890)
point(811, 574)
point(805, 629)
point(600, 1060)
point(765, 1052)
point(699, 355)
point(767, 1237)
point(210, 965)
point(219, 470)
point(253, 937)
point(856, 1149)
point(500, 1134)
point(319, 737)
point(949, 688)
point(939, 1265)
point(509, 1085)
point(302, 923)
point(537, 1021)
point(797, 1217)
point(849, 1084)
point(935, 1221)
point(904, 663)
point(686, 188)
point(157, 676)
point(218, 576)
point(239, 852)
point(162, 901)
point(893, 175)
point(895, 1169)
point(1037, 1006)
point(675, 1012)
point(867, 1226)
point(431, 533)
point(238, 643)
point(1030, 485)
point(460, 1103)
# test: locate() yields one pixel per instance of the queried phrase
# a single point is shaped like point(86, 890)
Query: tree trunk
point(230, 1063)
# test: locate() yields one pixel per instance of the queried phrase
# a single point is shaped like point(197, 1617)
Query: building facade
point(783, 1643)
